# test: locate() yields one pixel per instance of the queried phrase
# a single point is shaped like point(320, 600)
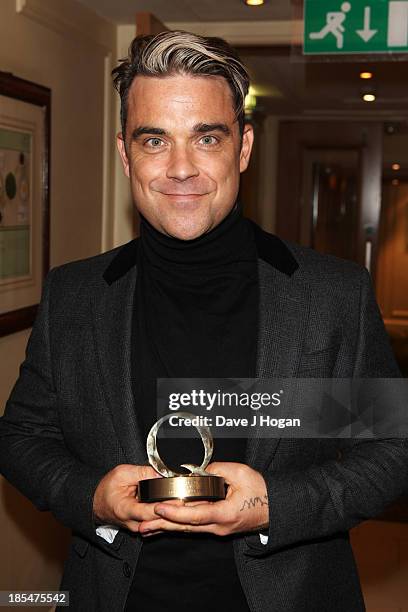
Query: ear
point(246, 147)
point(120, 143)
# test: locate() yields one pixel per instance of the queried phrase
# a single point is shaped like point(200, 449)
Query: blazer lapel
point(283, 314)
point(112, 308)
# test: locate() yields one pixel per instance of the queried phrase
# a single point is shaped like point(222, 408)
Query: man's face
point(184, 154)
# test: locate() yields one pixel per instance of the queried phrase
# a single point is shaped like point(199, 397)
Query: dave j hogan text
point(258, 420)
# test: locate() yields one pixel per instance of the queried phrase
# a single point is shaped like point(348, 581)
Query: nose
point(181, 166)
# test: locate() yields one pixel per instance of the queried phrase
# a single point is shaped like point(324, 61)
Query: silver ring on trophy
point(198, 484)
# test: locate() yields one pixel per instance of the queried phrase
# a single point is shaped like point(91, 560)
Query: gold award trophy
point(196, 485)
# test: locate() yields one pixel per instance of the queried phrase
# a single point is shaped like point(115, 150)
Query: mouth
point(185, 196)
point(184, 201)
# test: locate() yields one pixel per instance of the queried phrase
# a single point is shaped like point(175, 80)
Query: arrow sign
point(366, 34)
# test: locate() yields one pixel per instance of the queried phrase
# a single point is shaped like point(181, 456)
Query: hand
point(115, 500)
point(245, 507)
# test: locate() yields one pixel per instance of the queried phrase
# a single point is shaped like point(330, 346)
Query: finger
point(201, 514)
point(141, 511)
point(131, 509)
point(134, 526)
point(163, 525)
point(134, 513)
point(173, 502)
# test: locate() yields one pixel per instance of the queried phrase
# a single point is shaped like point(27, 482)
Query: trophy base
point(211, 488)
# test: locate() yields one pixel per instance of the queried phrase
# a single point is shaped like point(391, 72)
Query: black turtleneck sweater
point(195, 315)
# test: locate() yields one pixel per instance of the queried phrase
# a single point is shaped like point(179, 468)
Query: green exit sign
point(355, 26)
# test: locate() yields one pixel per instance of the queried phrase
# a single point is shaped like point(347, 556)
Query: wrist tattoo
point(251, 502)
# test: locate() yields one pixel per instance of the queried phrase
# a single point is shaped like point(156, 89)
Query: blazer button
point(127, 570)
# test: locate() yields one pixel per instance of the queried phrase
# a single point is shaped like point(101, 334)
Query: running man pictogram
point(334, 25)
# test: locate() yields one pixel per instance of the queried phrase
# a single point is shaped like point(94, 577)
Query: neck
point(226, 242)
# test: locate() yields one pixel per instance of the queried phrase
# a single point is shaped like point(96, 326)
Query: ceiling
point(123, 11)
point(287, 83)
point(290, 84)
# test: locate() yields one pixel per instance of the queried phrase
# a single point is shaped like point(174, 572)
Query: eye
point(155, 143)
point(209, 140)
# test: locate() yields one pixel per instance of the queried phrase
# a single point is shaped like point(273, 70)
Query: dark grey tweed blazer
point(70, 418)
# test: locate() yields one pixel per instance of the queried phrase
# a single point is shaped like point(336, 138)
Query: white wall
point(65, 47)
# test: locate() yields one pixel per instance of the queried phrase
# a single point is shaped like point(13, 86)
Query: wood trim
point(395, 322)
point(146, 23)
point(400, 313)
point(17, 320)
point(390, 268)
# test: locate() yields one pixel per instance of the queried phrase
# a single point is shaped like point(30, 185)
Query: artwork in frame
point(25, 115)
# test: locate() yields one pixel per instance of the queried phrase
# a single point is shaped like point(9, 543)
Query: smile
point(184, 195)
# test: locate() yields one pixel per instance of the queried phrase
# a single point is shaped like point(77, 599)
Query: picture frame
point(25, 134)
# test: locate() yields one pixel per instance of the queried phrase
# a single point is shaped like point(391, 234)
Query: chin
point(186, 229)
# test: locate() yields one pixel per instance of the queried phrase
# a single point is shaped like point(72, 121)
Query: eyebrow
point(212, 127)
point(199, 128)
point(146, 129)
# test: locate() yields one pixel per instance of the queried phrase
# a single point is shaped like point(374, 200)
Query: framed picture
point(25, 114)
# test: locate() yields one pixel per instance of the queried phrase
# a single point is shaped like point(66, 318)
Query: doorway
point(329, 187)
point(343, 190)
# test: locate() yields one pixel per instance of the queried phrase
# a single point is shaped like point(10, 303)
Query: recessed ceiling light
point(396, 167)
point(366, 75)
point(254, 2)
point(395, 182)
point(368, 97)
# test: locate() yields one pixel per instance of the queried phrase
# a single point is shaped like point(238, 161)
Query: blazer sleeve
point(336, 495)
point(33, 456)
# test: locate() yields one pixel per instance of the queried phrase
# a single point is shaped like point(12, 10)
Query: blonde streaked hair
point(180, 52)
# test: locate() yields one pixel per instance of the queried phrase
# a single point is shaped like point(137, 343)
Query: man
point(202, 293)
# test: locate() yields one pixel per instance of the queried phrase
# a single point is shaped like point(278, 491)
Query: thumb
point(146, 471)
point(133, 473)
